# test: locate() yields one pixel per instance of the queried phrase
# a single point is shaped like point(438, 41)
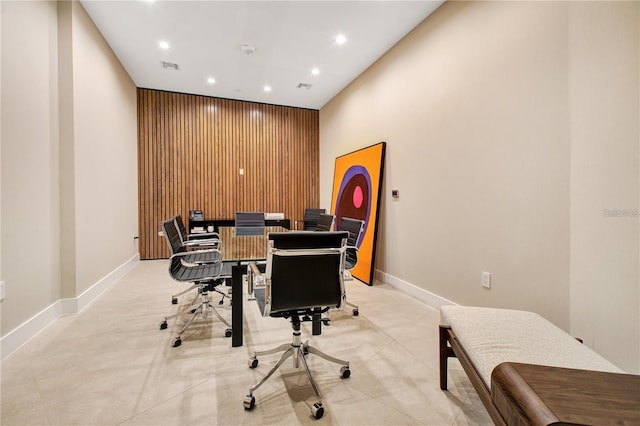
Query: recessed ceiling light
point(315, 71)
point(163, 45)
point(341, 39)
point(211, 80)
point(267, 88)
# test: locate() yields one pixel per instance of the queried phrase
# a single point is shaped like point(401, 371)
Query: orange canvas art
point(357, 184)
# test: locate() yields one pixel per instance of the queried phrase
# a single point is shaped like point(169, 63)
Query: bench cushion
point(491, 336)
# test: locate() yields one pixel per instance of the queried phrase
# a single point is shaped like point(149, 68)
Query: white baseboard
point(92, 293)
point(426, 297)
point(24, 332)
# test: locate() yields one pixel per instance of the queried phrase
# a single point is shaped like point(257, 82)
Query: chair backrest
point(311, 217)
point(325, 222)
point(354, 228)
point(249, 223)
point(251, 219)
point(172, 235)
point(304, 270)
point(181, 228)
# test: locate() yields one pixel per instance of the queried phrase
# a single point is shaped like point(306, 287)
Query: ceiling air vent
point(170, 66)
point(304, 86)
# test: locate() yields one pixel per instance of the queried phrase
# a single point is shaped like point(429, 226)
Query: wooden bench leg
point(446, 352)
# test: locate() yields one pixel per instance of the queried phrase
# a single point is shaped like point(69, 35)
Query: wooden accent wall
point(190, 151)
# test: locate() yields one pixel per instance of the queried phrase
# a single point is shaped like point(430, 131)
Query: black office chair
point(304, 277)
point(192, 257)
point(310, 219)
point(249, 223)
point(205, 277)
point(354, 227)
point(325, 222)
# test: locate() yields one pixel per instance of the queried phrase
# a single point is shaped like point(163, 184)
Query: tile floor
point(111, 365)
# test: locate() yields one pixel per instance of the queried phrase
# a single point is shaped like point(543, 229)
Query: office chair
point(354, 227)
point(198, 257)
point(310, 219)
point(304, 277)
point(249, 223)
point(325, 222)
point(207, 239)
point(204, 276)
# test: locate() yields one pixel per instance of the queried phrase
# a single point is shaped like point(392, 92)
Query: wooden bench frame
point(451, 348)
point(528, 393)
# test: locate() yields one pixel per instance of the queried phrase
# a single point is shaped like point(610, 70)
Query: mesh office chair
point(204, 276)
point(310, 219)
point(325, 222)
point(354, 227)
point(304, 277)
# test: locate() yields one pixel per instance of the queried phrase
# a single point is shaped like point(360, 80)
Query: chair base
point(298, 351)
point(174, 298)
point(202, 308)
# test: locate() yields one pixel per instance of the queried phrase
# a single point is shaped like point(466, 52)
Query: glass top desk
point(239, 248)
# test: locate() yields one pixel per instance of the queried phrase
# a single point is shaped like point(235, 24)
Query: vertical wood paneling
point(190, 150)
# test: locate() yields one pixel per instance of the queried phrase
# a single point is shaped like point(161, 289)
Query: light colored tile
point(110, 364)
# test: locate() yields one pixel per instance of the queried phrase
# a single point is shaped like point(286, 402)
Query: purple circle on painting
point(354, 197)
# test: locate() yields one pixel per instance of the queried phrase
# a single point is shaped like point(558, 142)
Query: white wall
point(487, 109)
point(603, 96)
point(69, 167)
point(105, 142)
point(30, 233)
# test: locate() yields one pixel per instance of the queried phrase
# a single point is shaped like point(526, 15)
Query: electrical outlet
point(1, 290)
point(486, 280)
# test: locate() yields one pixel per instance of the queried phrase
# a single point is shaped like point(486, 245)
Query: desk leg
point(237, 314)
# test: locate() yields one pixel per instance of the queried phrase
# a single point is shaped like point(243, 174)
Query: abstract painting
point(357, 184)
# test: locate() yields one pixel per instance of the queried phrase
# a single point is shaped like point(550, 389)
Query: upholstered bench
point(484, 339)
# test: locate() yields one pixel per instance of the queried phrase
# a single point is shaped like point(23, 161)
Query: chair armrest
point(190, 253)
point(354, 250)
point(204, 235)
point(257, 275)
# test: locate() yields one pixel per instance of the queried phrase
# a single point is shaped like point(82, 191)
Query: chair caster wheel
point(221, 302)
point(345, 372)
point(249, 402)
point(317, 411)
point(228, 332)
point(177, 342)
point(356, 313)
point(193, 311)
point(253, 362)
point(174, 300)
point(163, 325)
point(326, 321)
